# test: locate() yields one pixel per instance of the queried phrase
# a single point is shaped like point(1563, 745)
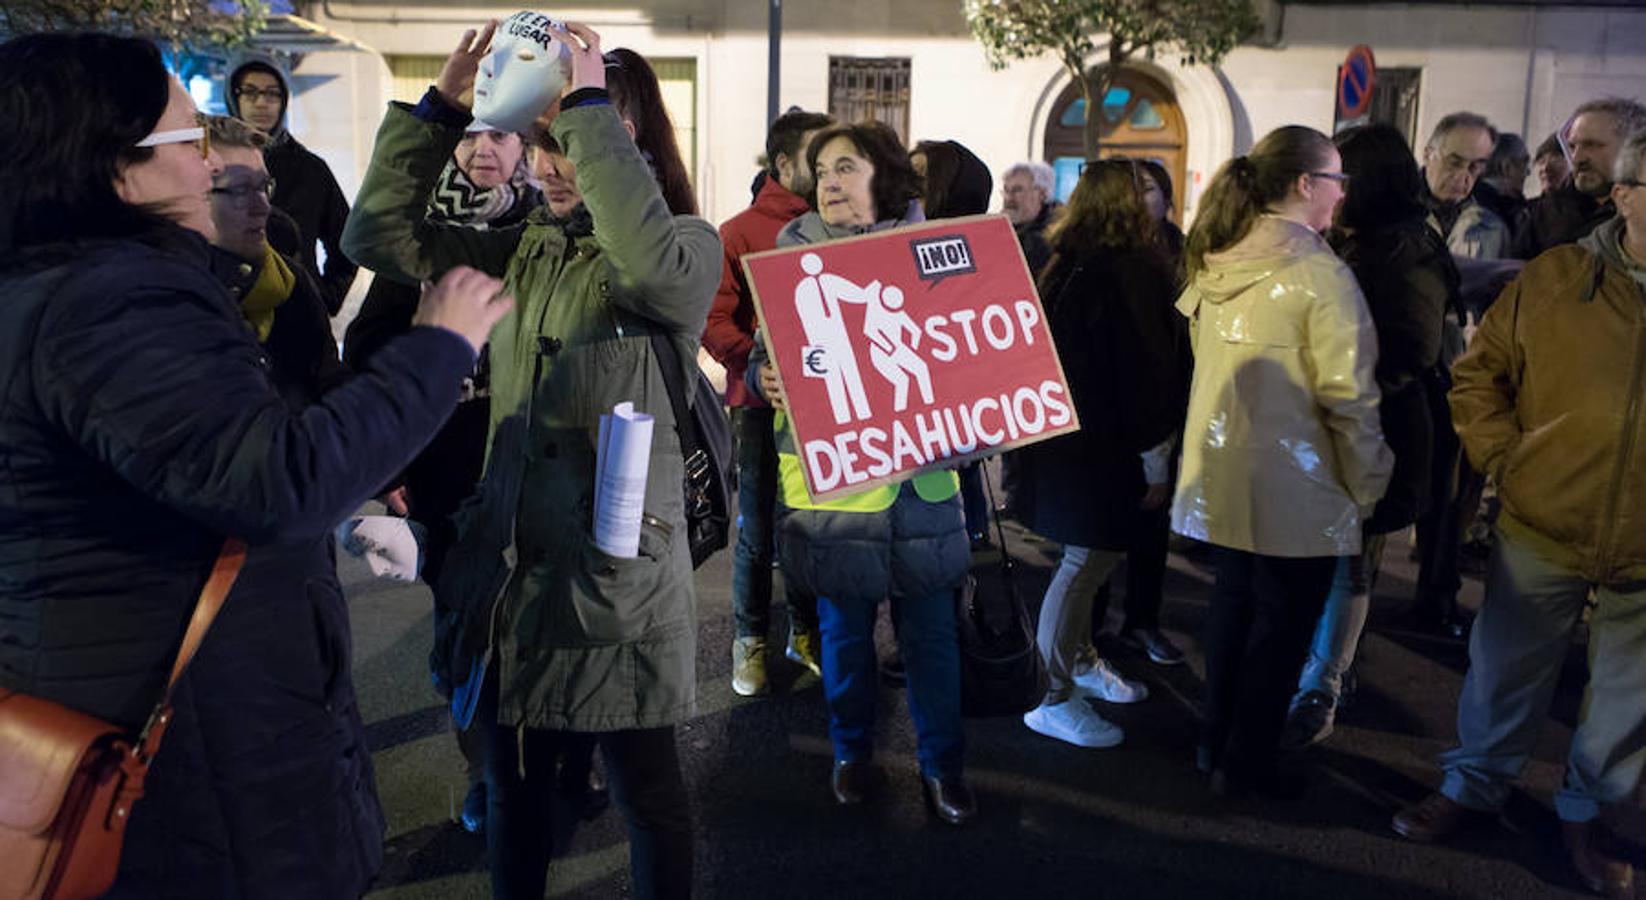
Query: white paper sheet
point(621, 463)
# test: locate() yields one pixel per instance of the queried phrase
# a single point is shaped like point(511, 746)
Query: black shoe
point(473, 818)
point(950, 799)
point(850, 782)
point(1153, 643)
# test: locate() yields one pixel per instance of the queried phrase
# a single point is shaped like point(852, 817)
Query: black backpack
point(706, 446)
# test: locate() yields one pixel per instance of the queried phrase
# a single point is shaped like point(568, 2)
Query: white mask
point(523, 74)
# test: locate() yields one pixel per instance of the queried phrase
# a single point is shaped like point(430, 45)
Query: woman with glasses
point(142, 426)
point(278, 297)
point(1283, 455)
point(561, 644)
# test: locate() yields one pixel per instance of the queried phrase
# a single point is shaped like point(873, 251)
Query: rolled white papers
point(621, 462)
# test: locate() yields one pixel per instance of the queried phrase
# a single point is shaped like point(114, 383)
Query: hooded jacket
point(578, 640)
point(1550, 401)
point(305, 189)
point(1283, 454)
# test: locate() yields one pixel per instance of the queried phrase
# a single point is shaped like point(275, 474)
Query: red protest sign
point(909, 350)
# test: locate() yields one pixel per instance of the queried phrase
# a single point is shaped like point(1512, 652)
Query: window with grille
point(870, 89)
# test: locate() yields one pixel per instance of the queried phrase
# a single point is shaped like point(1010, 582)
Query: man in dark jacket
point(729, 336)
point(1596, 131)
point(303, 185)
point(1026, 199)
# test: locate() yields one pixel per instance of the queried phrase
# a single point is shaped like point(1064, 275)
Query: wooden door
point(1146, 124)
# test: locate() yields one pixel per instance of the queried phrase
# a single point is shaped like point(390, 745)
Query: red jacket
point(729, 334)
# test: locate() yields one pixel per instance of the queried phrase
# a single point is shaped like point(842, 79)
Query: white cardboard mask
point(523, 74)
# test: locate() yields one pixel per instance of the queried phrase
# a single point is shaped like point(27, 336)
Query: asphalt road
point(1056, 821)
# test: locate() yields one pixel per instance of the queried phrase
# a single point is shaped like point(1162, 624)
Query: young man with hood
point(729, 336)
point(303, 185)
point(1563, 443)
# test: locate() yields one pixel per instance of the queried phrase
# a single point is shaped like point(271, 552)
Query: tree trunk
point(1096, 90)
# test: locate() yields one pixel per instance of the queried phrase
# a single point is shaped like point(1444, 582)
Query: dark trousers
point(976, 500)
point(531, 777)
point(1145, 575)
point(1456, 498)
point(1262, 616)
point(756, 508)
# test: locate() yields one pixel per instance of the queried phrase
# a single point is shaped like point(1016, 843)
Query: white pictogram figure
point(828, 352)
point(885, 325)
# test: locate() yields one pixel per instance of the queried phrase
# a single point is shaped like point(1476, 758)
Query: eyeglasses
point(1339, 177)
point(254, 94)
point(1630, 182)
point(241, 194)
point(198, 135)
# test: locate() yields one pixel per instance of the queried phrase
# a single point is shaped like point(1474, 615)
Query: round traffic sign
point(1356, 79)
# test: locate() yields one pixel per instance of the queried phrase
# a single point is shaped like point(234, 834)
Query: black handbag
point(706, 446)
point(1001, 671)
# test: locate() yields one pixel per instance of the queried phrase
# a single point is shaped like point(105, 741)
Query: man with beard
point(1596, 130)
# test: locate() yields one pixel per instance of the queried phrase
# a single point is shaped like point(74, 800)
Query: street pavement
point(1055, 820)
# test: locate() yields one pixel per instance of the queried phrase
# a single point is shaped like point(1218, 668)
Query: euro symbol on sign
point(814, 362)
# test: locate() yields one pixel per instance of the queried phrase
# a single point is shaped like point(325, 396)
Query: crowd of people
point(1355, 337)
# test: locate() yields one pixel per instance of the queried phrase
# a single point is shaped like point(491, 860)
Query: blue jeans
point(1516, 649)
point(931, 657)
point(752, 558)
point(1337, 634)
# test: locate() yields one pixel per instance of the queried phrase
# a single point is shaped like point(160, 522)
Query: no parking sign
point(1356, 79)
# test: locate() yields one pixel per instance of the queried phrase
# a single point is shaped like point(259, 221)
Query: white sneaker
point(1074, 721)
point(1100, 680)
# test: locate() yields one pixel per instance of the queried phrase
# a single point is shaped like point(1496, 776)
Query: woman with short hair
point(142, 426)
point(906, 541)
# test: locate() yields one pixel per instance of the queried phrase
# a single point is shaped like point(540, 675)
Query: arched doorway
point(1148, 124)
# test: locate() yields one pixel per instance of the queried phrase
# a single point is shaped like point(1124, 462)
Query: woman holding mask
point(141, 426)
point(562, 644)
point(1283, 456)
point(906, 541)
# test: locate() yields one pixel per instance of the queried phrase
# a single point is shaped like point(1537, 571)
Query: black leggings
point(524, 814)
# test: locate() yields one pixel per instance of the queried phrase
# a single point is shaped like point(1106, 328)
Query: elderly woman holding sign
point(904, 540)
point(561, 642)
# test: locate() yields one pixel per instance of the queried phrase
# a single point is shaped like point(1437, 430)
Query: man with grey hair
point(1026, 198)
point(1592, 138)
point(1563, 442)
point(1453, 162)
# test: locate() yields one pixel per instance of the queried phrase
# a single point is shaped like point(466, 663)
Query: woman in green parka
point(561, 644)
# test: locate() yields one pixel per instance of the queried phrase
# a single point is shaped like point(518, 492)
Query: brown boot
point(1598, 870)
point(1434, 818)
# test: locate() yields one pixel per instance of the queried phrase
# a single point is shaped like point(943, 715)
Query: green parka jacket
point(578, 640)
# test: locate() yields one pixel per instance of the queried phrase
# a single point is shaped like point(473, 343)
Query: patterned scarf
point(458, 200)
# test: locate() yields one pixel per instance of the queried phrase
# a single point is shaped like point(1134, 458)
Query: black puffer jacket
point(1410, 283)
point(1126, 356)
point(139, 425)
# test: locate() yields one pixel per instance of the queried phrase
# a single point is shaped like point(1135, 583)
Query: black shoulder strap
point(668, 359)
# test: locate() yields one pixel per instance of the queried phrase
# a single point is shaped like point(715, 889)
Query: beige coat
point(1283, 454)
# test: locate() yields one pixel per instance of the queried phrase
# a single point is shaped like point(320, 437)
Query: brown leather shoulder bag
point(68, 781)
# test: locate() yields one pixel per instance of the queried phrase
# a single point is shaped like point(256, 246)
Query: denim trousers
point(756, 505)
point(1337, 634)
point(531, 773)
point(1516, 649)
point(1262, 613)
point(931, 658)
